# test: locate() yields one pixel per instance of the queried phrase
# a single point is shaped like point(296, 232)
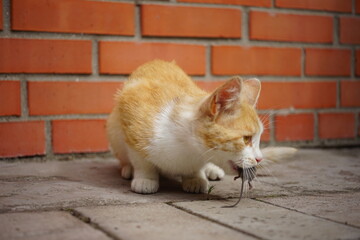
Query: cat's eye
point(247, 140)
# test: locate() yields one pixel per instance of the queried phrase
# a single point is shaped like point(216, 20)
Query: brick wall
point(62, 60)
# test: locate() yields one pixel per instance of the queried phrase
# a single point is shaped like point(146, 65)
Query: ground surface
point(314, 196)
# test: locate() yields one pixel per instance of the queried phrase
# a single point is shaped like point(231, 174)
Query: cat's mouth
point(235, 166)
point(248, 173)
point(242, 164)
point(238, 168)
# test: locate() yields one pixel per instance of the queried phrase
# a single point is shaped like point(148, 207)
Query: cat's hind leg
point(213, 172)
point(119, 150)
point(118, 146)
point(146, 175)
point(127, 171)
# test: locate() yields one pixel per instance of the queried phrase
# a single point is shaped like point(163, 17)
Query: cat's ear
point(251, 91)
point(225, 98)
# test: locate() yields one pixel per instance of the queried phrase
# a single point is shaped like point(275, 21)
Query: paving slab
point(340, 207)
point(155, 222)
point(315, 171)
point(267, 221)
point(46, 226)
point(311, 196)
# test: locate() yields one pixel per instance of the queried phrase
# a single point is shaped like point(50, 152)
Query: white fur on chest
point(174, 149)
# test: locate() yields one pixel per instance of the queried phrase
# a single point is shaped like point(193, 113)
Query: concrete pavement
point(316, 195)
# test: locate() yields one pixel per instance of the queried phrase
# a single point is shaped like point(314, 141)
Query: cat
point(163, 123)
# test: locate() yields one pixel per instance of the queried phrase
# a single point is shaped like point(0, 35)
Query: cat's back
point(150, 88)
point(157, 82)
point(161, 76)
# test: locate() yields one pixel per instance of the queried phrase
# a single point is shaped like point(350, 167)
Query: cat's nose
point(258, 160)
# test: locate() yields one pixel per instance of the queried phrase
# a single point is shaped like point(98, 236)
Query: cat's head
point(229, 125)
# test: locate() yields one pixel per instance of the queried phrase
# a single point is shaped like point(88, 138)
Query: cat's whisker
point(257, 184)
point(247, 175)
point(268, 123)
point(269, 174)
point(205, 152)
point(209, 159)
point(252, 171)
point(264, 117)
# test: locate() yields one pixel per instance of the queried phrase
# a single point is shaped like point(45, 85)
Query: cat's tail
point(277, 154)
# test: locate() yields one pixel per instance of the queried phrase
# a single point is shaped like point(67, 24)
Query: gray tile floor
point(316, 195)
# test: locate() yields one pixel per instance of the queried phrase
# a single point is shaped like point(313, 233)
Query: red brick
point(304, 95)
point(124, 57)
point(73, 16)
point(357, 6)
point(328, 62)
point(350, 94)
point(286, 27)
point(79, 136)
point(44, 56)
point(1, 15)
point(50, 98)
point(258, 3)
point(22, 138)
point(336, 125)
point(179, 21)
point(228, 60)
point(357, 62)
point(350, 30)
point(322, 5)
point(10, 98)
point(294, 127)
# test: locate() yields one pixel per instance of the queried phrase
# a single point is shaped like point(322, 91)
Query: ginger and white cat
point(164, 123)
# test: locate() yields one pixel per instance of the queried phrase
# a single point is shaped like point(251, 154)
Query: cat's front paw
point(144, 185)
point(213, 172)
point(195, 185)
